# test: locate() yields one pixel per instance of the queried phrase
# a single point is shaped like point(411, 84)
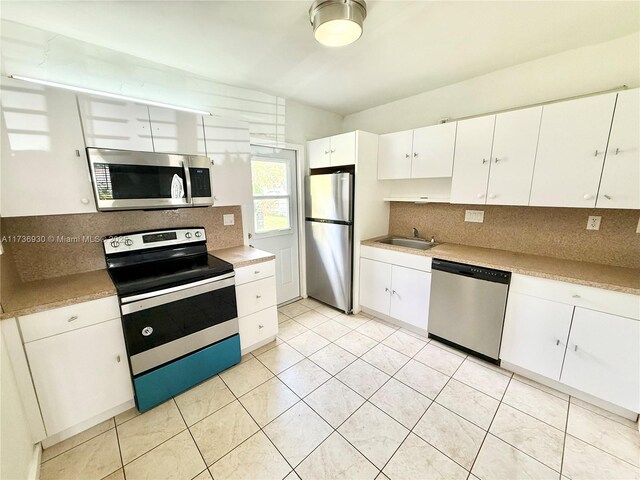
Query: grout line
point(119, 449)
point(191, 434)
point(564, 439)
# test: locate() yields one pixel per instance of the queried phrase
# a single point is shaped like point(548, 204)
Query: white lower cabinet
point(256, 299)
point(396, 291)
point(603, 357)
point(80, 374)
point(549, 332)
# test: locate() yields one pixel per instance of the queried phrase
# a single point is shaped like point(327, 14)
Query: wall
point(39, 54)
point(15, 436)
point(304, 123)
point(553, 232)
point(65, 251)
point(575, 72)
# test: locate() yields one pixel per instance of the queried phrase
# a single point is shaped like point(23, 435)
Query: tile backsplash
point(553, 232)
point(71, 250)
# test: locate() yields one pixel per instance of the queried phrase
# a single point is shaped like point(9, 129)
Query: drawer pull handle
point(256, 272)
point(575, 296)
point(386, 289)
point(73, 318)
point(260, 326)
point(557, 342)
point(118, 358)
point(575, 348)
point(258, 296)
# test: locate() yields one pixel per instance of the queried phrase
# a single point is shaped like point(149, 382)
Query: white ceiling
point(406, 48)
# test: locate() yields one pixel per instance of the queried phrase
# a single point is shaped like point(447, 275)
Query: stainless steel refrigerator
point(329, 238)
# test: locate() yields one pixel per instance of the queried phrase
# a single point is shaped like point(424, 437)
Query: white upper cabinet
point(472, 160)
point(571, 149)
point(44, 167)
point(319, 152)
point(620, 184)
point(229, 148)
point(433, 149)
point(394, 155)
point(174, 131)
point(513, 156)
point(603, 357)
point(332, 151)
point(118, 124)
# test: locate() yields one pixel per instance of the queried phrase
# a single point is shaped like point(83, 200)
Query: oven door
point(128, 180)
point(164, 325)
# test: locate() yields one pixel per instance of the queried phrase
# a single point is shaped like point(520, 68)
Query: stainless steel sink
point(416, 243)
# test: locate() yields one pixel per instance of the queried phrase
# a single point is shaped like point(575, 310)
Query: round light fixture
point(337, 22)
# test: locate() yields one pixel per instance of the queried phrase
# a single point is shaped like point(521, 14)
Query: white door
point(535, 334)
point(343, 149)
point(433, 151)
point(319, 153)
point(111, 123)
point(44, 163)
point(80, 374)
point(603, 357)
point(274, 225)
point(410, 290)
point(571, 148)
point(174, 131)
point(394, 155)
point(620, 185)
point(375, 285)
point(513, 155)
point(472, 160)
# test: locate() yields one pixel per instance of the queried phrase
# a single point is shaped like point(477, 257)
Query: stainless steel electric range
point(178, 306)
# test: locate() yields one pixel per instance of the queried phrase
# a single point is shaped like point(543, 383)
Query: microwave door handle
point(187, 178)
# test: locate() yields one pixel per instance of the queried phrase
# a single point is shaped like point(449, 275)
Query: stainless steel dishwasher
point(467, 307)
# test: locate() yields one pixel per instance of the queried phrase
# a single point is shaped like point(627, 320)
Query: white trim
point(34, 464)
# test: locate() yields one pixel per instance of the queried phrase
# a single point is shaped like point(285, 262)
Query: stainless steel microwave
point(128, 180)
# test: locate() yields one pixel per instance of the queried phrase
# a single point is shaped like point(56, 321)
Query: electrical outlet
point(594, 222)
point(229, 219)
point(476, 216)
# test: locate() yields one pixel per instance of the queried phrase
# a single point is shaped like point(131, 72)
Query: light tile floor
point(352, 397)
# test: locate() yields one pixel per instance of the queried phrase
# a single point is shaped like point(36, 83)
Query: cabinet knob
point(393, 292)
point(557, 342)
point(598, 152)
point(480, 195)
point(260, 326)
point(77, 153)
point(415, 154)
point(386, 289)
point(333, 150)
point(608, 197)
point(84, 201)
point(484, 160)
point(406, 155)
point(256, 271)
point(73, 318)
point(617, 151)
point(326, 152)
point(258, 296)
point(575, 348)
point(492, 195)
point(496, 160)
point(118, 359)
point(575, 296)
point(588, 196)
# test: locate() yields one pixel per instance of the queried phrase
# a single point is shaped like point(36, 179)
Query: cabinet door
point(343, 149)
point(257, 327)
point(228, 146)
point(394, 155)
point(80, 374)
point(513, 155)
point(319, 152)
point(620, 184)
point(410, 290)
point(472, 160)
point(375, 285)
point(174, 131)
point(571, 148)
point(111, 123)
point(603, 357)
point(433, 151)
point(535, 334)
point(44, 164)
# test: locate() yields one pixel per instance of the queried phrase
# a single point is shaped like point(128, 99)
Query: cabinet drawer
point(617, 303)
point(64, 319)
point(255, 272)
point(255, 296)
point(257, 327)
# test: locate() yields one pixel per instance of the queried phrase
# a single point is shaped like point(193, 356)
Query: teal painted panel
point(160, 385)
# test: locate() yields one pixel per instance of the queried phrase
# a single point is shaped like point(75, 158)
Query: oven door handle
point(187, 178)
point(144, 301)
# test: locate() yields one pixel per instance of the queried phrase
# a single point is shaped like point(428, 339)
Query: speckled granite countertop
point(620, 279)
point(242, 256)
point(40, 295)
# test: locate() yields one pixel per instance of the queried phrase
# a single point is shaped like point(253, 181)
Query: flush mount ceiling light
point(337, 22)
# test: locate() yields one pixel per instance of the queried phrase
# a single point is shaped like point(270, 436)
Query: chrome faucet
point(415, 233)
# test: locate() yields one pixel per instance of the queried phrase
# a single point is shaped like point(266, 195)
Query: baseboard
point(257, 345)
point(34, 465)
point(81, 427)
point(394, 321)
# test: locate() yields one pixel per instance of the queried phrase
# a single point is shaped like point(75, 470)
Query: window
point(271, 195)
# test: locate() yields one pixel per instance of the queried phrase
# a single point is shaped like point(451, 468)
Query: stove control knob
point(198, 234)
point(115, 243)
point(187, 235)
point(128, 242)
